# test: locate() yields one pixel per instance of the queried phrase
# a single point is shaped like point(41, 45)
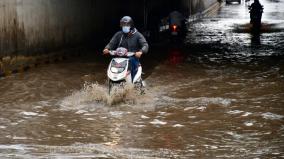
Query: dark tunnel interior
point(29, 27)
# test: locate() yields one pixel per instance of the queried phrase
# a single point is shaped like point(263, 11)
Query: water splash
point(93, 93)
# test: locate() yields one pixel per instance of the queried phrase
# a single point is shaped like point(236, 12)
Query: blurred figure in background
point(255, 10)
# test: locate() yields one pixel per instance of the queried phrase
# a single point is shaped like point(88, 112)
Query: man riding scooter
point(130, 39)
point(256, 10)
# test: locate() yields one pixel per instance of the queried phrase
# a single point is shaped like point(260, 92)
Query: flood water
point(218, 95)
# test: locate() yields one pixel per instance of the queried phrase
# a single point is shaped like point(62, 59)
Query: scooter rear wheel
point(140, 86)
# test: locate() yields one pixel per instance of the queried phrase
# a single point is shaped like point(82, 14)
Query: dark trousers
point(134, 64)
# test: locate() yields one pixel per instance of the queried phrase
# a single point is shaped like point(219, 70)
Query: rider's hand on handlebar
point(106, 51)
point(138, 54)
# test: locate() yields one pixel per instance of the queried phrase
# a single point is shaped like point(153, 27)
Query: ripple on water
point(81, 112)
point(104, 150)
point(144, 117)
point(158, 122)
point(200, 101)
point(117, 114)
point(248, 123)
point(13, 147)
point(178, 125)
point(235, 135)
point(235, 112)
point(32, 114)
point(272, 116)
point(247, 114)
point(29, 113)
point(3, 127)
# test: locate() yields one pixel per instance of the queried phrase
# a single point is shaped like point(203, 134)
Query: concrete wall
point(194, 6)
point(28, 26)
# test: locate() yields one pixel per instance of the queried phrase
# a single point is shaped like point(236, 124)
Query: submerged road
point(218, 95)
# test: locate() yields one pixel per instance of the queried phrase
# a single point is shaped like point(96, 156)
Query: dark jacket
point(133, 42)
point(256, 7)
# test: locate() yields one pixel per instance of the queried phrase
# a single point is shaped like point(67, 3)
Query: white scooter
point(119, 71)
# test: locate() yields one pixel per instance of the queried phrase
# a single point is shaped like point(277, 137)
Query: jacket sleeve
point(143, 43)
point(113, 42)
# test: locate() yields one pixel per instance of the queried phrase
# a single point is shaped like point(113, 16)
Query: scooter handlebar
point(116, 53)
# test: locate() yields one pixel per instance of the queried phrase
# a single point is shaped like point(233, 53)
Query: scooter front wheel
point(110, 84)
point(114, 84)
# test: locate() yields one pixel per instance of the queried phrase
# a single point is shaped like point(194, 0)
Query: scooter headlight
point(121, 64)
point(117, 69)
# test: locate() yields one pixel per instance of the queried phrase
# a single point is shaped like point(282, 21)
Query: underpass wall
point(191, 7)
point(31, 29)
point(201, 8)
point(28, 26)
